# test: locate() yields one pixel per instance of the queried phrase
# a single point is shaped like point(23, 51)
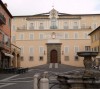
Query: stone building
point(95, 43)
point(5, 36)
point(95, 39)
point(53, 37)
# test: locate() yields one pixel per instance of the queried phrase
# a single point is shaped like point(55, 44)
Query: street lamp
point(98, 56)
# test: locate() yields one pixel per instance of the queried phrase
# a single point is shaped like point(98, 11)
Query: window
point(31, 27)
point(31, 58)
point(76, 49)
point(66, 36)
point(83, 26)
point(66, 50)
point(31, 51)
point(92, 49)
point(53, 23)
point(41, 36)
point(6, 40)
point(22, 50)
point(87, 48)
point(76, 58)
point(41, 50)
point(13, 38)
point(75, 25)
point(76, 35)
point(31, 36)
point(41, 58)
point(66, 25)
point(85, 35)
point(41, 26)
point(96, 49)
point(66, 58)
point(22, 58)
point(95, 37)
point(94, 26)
point(21, 36)
point(23, 27)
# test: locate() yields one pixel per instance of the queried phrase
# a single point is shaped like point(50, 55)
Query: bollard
point(35, 81)
point(45, 75)
point(44, 83)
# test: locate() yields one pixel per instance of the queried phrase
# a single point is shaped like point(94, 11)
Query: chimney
point(5, 4)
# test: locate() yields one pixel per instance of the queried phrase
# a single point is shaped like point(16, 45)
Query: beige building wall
point(70, 38)
point(95, 39)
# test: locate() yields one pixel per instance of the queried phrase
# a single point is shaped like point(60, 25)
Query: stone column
point(18, 61)
point(15, 61)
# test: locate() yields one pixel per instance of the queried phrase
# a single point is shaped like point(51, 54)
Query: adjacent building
point(5, 36)
point(95, 39)
point(53, 37)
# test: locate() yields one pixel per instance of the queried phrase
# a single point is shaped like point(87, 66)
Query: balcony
point(1, 45)
point(53, 27)
point(85, 27)
point(2, 19)
point(21, 28)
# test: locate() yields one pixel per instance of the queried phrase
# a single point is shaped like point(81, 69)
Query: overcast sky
point(31, 7)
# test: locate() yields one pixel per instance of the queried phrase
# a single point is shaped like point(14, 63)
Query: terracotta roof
point(5, 8)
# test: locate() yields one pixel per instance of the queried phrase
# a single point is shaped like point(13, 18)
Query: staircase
point(53, 65)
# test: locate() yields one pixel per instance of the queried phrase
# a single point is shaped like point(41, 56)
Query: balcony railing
point(85, 27)
point(53, 27)
point(2, 19)
point(21, 28)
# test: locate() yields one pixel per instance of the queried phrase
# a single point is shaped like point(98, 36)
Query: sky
point(31, 7)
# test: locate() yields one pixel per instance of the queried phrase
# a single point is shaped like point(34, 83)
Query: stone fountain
point(88, 55)
point(86, 78)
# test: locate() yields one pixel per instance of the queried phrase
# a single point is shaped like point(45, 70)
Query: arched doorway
point(53, 56)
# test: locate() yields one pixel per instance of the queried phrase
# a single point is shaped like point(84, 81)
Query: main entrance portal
point(53, 52)
point(53, 56)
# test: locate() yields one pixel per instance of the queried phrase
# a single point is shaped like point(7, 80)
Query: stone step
point(51, 65)
point(56, 65)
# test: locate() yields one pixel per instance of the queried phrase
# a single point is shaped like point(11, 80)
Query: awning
point(9, 55)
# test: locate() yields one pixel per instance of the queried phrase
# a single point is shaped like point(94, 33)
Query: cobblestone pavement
point(25, 81)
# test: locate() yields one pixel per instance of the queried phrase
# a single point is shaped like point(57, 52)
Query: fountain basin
point(77, 80)
point(87, 53)
point(82, 79)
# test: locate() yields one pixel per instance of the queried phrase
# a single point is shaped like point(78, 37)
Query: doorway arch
point(53, 56)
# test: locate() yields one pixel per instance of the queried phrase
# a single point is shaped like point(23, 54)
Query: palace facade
point(53, 37)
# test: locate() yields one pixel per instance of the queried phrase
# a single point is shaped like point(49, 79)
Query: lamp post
point(98, 56)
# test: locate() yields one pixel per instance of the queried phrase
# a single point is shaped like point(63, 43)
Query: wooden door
point(53, 56)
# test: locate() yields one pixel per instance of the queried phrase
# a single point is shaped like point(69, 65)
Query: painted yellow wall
point(71, 42)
